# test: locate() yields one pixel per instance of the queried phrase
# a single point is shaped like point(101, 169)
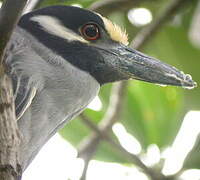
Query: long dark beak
point(142, 67)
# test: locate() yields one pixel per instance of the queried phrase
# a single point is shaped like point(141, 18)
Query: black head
point(96, 45)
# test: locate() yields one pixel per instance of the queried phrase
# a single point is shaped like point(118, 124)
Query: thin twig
point(112, 116)
point(88, 156)
point(107, 6)
point(31, 5)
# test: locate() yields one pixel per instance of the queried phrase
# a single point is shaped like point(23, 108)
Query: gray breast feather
point(47, 95)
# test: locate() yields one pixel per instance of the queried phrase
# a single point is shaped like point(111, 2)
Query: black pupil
point(91, 31)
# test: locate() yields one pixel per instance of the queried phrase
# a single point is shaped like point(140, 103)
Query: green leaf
point(173, 46)
point(75, 131)
point(152, 113)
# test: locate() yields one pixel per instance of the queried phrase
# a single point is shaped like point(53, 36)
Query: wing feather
point(23, 94)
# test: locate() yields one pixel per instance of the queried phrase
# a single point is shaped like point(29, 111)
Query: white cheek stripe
point(55, 27)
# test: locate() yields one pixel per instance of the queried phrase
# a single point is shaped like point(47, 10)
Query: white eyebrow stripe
point(55, 27)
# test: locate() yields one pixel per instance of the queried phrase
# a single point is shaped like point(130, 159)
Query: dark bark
point(10, 168)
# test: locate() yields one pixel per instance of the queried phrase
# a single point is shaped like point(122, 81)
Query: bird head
point(94, 44)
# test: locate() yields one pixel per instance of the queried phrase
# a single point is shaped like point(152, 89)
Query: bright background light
point(129, 142)
point(57, 159)
point(77, 5)
point(191, 174)
point(183, 143)
point(152, 156)
point(113, 171)
point(96, 104)
point(140, 16)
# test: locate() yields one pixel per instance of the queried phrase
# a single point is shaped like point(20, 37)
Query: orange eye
point(90, 32)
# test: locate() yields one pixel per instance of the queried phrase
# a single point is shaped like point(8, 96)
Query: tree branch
point(107, 6)
point(129, 156)
point(9, 134)
point(10, 168)
point(9, 15)
point(112, 115)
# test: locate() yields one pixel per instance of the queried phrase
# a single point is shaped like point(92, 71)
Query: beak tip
point(145, 68)
point(188, 83)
